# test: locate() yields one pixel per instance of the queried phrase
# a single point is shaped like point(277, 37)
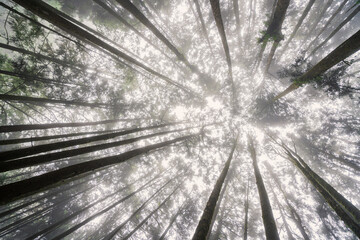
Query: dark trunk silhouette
point(267, 214)
point(344, 50)
point(203, 226)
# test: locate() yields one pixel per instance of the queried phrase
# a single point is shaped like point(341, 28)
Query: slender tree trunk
point(318, 19)
point(26, 127)
point(246, 212)
point(337, 29)
point(37, 23)
point(293, 213)
point(271, 55)
point(205, 221)
point(84, 209)
point(142, 18)
point(172, 221)
point(327, 24)
point(151, 213)
point(52, 137)
point(237, 20)
point(267, 214)
point(298, 25)
point(50, 14)
point(17, 153)
point(344, 50)
point(28, 78)
point(203, 26)
point(344, 209)
point(32, 185)
point(46, 158)
point(40, 56)
point(142, 206)
point(27, 99)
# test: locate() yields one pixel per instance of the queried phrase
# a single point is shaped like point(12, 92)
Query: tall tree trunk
point(274, 29)
point(84, 209)
point(28, 78)
point(327, 24)
point(344, 50)
point(137, 211)
point(337, 29)
point(47, 158)
point(267, 214)
point(51, 14)
point(37, 23)
point(293, 213)
point(237, 21)
point(146, 22)
point(298, 25)
point(40, 56)
point(32, 185)
point(27, 99)
point(318, 19)
point(12, 154)
point(246, 205)
point(271, 55)
point(51, 137)
point(203, 226)
point(150, 215)
point(344, 209)
point(172, 220)
point(203, 26)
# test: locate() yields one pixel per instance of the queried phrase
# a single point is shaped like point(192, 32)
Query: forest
point(180, 119)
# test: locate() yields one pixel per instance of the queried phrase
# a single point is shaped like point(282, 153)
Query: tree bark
point(205, 221)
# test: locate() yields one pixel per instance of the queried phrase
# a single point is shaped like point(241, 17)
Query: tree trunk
point(318, 19)
point(27, 127)
point(46, 158)
point(151, 213)
point(344, 209)
point(51, 137)
point(84, 209)
point(267, 214)
point(17, 153)
point(50, 14)
point(28, 78)
point(117, 229)
point(205, 221)
point(274, 29)
point(142, 18)
point(32, 185)
point(298, 25)
point(27, 99)
point(344, 50)
point(337, 29)
point(246, 212)
point(327, 24)
point(202, 22)
point(271, 55)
